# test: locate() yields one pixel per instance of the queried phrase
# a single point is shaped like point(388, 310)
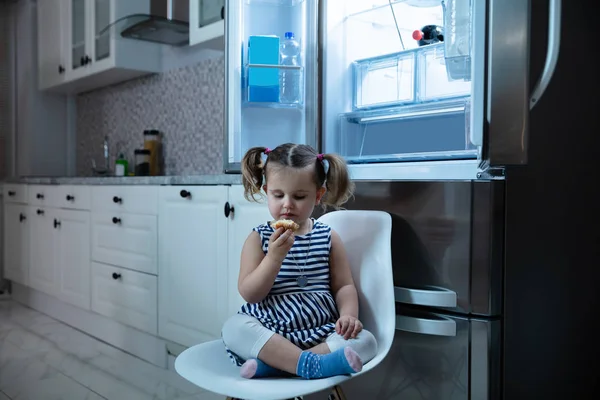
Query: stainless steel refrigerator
point(481, 144)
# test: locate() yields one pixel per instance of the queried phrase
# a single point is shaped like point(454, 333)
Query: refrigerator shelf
point(281, 3)
point(411, 76)
point(432, 108)
point(253, 100)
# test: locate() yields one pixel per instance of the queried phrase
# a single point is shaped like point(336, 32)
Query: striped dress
point(305, 316)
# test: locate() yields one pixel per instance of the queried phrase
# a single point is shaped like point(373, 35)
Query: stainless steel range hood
point(167, 23)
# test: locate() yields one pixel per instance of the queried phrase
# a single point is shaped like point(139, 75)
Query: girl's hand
point(348, 326)
point(280, 243)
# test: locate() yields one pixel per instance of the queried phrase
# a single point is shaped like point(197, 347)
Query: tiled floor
point(43, 359)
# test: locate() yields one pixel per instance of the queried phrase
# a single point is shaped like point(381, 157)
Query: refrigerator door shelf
point(426, 296)
point(251, 101)
point(280, 3)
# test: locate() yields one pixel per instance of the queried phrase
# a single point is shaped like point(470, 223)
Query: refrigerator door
point(257, 113)
point(447, 241)
point(435, 356)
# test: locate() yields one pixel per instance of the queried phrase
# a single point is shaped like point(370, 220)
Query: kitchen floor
point(44, 359)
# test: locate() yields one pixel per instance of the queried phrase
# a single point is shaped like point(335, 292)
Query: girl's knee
point(232, 329)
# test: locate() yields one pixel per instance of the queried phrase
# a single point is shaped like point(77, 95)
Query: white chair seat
point(221, 376)
point(366, 236)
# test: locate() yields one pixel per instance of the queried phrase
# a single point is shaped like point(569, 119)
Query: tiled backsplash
point(186, 105)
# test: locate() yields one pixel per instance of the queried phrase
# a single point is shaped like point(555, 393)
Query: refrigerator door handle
point(552, 54)
point(437, 326)
point(508, 94)
point(432, 296)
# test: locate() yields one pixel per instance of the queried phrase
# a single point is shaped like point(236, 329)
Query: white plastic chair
point(367, 238)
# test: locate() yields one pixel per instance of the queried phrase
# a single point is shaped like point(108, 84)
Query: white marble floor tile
point(44, 359)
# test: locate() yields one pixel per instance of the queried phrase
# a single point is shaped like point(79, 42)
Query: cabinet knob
point(228, 209)
point(116, 220)
point(185, 194)
point(61, 69)
point(87, 60)
point(40, 212)
point(70, 198)
point(56, 223)
point(11, 193)
point(82, 61)
point(117, 199)
point(22, 217)
point(222, 12)
point(39, 196)
point(116, 276)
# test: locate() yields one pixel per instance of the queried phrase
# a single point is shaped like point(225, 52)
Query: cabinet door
point(51, 43)
point(42, 250)
point(79, 48)
point(246, 216)
point(16, 243)
point(101, 17)
point(192, 270)
point(73, 263)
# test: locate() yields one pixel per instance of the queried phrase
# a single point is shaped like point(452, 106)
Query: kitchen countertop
point(220, 179)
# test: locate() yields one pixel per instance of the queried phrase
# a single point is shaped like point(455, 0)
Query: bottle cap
point(289, 35)
point(417, 35)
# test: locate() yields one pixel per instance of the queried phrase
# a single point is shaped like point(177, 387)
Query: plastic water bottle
point(290, 78)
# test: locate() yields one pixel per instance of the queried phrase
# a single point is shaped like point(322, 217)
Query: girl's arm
point(342, 284)
point(257, 271)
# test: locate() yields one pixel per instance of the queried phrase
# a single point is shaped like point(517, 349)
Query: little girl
point(301, 315)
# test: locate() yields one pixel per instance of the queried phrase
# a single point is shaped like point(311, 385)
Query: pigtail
point(338, 184)
point(252, 172)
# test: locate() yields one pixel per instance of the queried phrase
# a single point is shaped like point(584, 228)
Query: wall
point(185, 104)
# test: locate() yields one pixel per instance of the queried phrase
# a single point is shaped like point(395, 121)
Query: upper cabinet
point(74, 57)
point(207, 23)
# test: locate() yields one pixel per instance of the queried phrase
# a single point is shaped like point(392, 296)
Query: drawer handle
point(117, 200)
point(39, 196)
point(70, 198)
point(185, 194)
point(40, 212)
point(116, 276)
point(116, 220)
point(56, 223)
point(228, 209)
point(22, 217)
point(12, 193)
point(431, 296)
point(435, 326)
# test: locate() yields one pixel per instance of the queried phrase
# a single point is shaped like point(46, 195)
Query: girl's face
point(292, 193)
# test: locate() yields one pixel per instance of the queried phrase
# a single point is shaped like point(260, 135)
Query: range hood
point(167, 23)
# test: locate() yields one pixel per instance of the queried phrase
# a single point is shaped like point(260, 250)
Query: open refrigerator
point(373, 93)
point(462, 141)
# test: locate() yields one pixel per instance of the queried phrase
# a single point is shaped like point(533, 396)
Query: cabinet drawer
point(132, 199)
point(76, 197)
point(15, 193)
point(42, 195)
point(126, 240)
point(126, 296)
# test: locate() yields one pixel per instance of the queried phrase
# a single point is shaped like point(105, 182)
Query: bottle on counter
point(121, 166)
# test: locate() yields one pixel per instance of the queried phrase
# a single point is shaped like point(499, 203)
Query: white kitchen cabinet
point(246, 215)
point(192, 277)
point(43, 274)
point(16, 242)
point(73, 262)
point(209, 35)
point(60, 254)
point(74, 57)
point(126, 296)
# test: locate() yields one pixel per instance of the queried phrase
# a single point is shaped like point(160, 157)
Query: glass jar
point(142, 162)
point(152, 142)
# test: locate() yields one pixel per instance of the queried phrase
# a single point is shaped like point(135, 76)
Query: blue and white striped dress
point(305, 316)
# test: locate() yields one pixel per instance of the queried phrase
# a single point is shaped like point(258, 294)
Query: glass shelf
point(281, 3)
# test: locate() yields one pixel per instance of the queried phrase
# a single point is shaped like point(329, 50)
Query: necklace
point(302, 280)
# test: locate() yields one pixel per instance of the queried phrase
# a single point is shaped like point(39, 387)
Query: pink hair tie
point(320, 157)
point(267, 150)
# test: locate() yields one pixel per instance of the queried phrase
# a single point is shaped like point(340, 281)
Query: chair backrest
point(367, 239)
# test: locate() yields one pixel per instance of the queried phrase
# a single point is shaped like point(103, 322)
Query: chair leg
point(336, 393)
